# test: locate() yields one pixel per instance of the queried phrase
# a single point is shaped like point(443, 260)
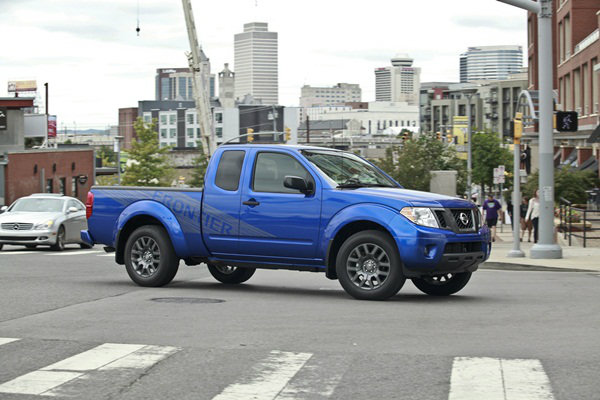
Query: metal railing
point(568, 213)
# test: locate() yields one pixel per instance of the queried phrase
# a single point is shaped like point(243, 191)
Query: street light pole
point(118, 151)
point(545, 247)
point(469, 148)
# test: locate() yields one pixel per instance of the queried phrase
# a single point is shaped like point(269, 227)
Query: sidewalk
point(575, 258)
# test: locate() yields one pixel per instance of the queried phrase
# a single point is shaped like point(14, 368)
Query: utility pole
point(545, 247)
point(199, 85)
point(517, 132)
point(307, 129)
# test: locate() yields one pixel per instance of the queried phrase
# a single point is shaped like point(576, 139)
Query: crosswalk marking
point(317, 379)
point(108, 356)
point(498, 379)
point(5, 340)
point(268, 379)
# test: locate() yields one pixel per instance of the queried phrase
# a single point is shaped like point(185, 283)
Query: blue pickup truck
point(297, 208)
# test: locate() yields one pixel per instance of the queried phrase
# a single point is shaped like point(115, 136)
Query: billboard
point(51, 126)
point(22, 86)
point(459, 129)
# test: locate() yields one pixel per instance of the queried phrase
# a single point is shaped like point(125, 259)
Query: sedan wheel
point(60, 240)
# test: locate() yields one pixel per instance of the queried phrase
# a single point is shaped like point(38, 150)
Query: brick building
point(127, 117)
point(576, 70)
point(70, 172)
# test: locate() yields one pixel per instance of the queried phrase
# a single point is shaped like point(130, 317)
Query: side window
point(230, 169)
point(272, 168)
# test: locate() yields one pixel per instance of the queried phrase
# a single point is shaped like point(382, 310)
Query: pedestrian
point(533, 214)
point(492, 210)
point(525, 224)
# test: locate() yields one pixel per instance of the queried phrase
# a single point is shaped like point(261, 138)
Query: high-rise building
point(329, 96)
point(227, 87)
point(255, 63)
point(398, 83)
point(490, 63)
point(177, 83)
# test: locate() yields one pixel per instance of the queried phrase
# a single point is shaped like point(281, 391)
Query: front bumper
point(45, 237)
point(430, 251)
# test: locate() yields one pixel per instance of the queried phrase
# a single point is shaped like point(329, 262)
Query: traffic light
point(518, 127)
point(566, 121)
point(250, 136)
point(450, 138)
point(288, 134)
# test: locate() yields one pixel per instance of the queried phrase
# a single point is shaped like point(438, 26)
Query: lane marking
point(475, 378)
point(76, 253)
point(108, 356)
point(5, 340)
point(13, 252)
point(106, 255)
point(268, 378)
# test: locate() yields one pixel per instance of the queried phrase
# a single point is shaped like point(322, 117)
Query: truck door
point(278, 224)
point(221, 204)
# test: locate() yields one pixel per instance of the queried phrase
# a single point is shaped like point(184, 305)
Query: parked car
point(293, 207)
point(43, 219)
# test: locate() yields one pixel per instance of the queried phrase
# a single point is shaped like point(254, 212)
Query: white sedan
point(43, 219)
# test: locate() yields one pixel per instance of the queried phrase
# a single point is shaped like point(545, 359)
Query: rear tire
point(60, 240)
point(150, 259)
point(442, 285)
point(368, 266)
point(230, 275)
point(85, 246)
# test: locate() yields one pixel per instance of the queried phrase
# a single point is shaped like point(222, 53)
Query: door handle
point(251, 202)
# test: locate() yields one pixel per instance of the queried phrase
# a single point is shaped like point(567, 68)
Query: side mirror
point(3, 209)
point(300, 184)
point(72, 210)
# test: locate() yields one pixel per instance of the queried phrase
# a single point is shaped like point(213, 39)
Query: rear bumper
point(87, 238)
point(28, 237)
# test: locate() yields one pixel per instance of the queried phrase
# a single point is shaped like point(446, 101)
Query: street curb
point(495, 265)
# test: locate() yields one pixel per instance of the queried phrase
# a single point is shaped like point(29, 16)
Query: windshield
point(347, 169)
point(38, 205)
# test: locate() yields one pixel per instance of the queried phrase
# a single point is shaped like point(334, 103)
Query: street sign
point(499, 175)
point(566, 121)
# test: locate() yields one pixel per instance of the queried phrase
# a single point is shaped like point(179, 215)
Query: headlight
point(46, 225)
point(420, 216)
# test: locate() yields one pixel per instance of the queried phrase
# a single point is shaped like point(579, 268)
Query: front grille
point(462, 247)
point(441, 218)
point(464, 219)
point(16, 226)
point(17, 238)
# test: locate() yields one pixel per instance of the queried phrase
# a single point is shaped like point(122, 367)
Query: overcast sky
point(89, 53)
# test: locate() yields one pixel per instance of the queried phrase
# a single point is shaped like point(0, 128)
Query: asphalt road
point(73, 324)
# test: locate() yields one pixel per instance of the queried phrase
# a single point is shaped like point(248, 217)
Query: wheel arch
point(344, 233)
point(148, 213)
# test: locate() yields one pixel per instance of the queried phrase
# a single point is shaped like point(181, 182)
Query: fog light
point(429, 250)
point(43, 238)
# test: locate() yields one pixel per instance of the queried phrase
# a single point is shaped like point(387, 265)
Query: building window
point(190, 118)
point(191, 144)
point(62, 185)
point(219, 132)
point(172, 133)
point(577, 90)
point(172, 119)
point(190, 132)
point(74, 191)
point(49, 185)
point(147, 118)
point(163, 119)
point(594, 86)
point(219, 117)
point(586, 89)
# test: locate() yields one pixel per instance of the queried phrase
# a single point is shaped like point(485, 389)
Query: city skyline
point(95, 63)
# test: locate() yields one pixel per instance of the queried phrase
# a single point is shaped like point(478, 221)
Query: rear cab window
point(229, 170)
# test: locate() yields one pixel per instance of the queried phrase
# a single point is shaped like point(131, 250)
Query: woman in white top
point(533, 214)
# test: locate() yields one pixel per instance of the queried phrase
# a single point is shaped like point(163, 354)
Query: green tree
point(569, 184)
point(148, 164)
point(107, 155)
point(411, 164)
point(199, 165)
point(487, 154)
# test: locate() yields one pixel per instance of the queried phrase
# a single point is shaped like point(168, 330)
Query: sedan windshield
point(347, 170)
point(38, 205)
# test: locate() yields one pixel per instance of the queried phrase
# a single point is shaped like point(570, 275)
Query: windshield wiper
point(355, 183)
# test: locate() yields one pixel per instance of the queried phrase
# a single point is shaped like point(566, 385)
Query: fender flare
point(162, 214)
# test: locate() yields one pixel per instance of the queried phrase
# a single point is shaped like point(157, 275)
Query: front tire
point(150, 259)
point(368, 266)
point(230, 275)
point(442, 285)
point(60, 240)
